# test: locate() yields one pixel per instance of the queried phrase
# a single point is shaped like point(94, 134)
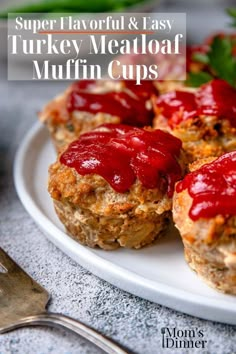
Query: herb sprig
point(219, 60)
point(232, 13)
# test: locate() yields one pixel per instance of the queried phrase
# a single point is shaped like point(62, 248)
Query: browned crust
point(210, 244)
point(217, 275)
point(63, 134)
point(65, 128)
point(201, 136)
point(111, 231)
point(96, 215)
point(169, 85)
point(93, 192)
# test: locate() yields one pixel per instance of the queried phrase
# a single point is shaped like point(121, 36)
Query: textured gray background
point(129, 320)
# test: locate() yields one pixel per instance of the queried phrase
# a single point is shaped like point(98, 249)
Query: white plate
point(157, 273)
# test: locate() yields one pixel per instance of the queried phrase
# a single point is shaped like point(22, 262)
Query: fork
point(23, 303)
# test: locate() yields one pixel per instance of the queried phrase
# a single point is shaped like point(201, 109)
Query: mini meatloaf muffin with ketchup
point(204, 211)
point(113, 186)
point(204, 119)
point(88, 104)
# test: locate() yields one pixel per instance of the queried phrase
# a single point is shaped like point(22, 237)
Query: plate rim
point(166, 295)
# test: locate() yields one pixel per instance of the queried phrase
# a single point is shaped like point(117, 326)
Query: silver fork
point(23, 303)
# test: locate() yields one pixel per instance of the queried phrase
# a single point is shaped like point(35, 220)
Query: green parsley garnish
point(220, 61)
point(201, 58)
point(198, 79)
point(232, 13)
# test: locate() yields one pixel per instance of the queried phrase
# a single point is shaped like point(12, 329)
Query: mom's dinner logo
point(173, 337)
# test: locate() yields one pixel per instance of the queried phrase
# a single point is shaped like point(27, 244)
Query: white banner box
point(117, 46)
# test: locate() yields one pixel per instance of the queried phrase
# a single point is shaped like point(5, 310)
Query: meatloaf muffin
point(204, 211)
point(87, 104)
point(113, 186)
point(204, 119)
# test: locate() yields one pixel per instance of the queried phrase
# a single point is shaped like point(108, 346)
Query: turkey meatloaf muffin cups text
point(113, 186)
point(204, 211)
point(87, 104)
point(204, 118)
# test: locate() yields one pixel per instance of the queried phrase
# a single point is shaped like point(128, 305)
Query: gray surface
point(203, 16)
point(134, 322)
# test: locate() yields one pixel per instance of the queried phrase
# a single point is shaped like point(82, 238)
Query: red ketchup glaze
point(177, 106)
point(83, 85)
point(145, 90)
point(121, 154)
point(213, 188)
point(130, 108)
point(216, 98)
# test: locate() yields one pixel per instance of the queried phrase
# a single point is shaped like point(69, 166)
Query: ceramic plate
point(157, 272)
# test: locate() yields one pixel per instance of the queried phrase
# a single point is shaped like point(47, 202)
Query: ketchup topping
point(216, 98)
point(177, 106)
point(121, 154)
point(130, 108)
point(212, 187)
point(83, 85)
point(145, 90)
